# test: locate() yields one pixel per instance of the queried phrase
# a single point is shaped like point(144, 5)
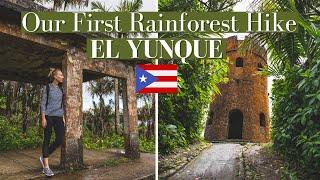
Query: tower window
point(239, 62)
point(260, 67)
point(262, 119)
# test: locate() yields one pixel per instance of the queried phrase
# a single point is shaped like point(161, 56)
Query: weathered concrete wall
point(72, 148)
point(246, 91)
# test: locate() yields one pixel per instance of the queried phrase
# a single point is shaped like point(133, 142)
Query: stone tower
point(242, 109)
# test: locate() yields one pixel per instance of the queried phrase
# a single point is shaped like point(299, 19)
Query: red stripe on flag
point(167, 78)
point(159, 66)
point(159, 90)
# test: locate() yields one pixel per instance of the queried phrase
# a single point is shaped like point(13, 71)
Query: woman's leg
point(59, 132)
point(46, 141)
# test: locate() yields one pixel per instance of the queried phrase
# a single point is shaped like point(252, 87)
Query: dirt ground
point(259, 161)
point(102, 164)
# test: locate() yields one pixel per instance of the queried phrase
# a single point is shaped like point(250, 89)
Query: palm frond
point(64, 3)
point(288, 49)
point(129, 6)
point(98, 6)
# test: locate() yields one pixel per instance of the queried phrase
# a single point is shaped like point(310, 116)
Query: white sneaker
point(48, 172)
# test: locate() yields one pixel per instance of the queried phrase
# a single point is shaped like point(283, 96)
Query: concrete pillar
point(72, 149)
point(131, 136)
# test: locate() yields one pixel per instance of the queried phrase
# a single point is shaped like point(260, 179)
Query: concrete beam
point(13, 30)
point(109, 67)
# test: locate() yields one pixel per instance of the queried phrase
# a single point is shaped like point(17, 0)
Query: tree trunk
point(8, 100)
point(2, 88)
point(15, 96)
point(24, 108)
point(101, 114)
point(116, 105)
point(151, 122)
point(36, 106)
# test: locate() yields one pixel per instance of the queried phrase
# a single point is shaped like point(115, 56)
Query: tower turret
point(242, 109)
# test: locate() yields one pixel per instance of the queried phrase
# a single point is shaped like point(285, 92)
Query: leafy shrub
point(11, 137)
point(296, 118)
point(113, 141)
point(95, 142)
point(147, 145)
point(171, 137)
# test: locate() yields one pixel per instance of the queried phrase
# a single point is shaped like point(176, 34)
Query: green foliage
point(197, 5)
point(2, 102)
point(181, 5)
point(99, 119)
point(182, 116)
point(295, 61)
point(114, 141)
point(63, 4)
point(171, 137)
point(95, 142)
point(147, 145)
point(296, 117)
point(12, 138)
point(198, 82)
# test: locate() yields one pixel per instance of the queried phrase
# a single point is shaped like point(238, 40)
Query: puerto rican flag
point(162, 78)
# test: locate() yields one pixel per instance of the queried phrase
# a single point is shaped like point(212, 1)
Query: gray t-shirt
point(54, 107)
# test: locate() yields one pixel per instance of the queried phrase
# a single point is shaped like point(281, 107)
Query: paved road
point(219, 162)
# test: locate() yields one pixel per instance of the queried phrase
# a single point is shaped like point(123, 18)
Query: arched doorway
point(235, 124)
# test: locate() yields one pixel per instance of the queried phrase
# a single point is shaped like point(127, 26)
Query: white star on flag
point(160, 78)
point(142, 78)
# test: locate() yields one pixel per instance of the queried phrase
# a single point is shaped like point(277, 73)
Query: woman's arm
point(43, 106)
point(44, 120)
point(64, 121)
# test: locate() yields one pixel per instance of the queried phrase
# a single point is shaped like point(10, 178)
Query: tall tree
point(197, 5)
point(116, 105)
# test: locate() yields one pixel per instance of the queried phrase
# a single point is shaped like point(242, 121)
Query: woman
point(52, 114)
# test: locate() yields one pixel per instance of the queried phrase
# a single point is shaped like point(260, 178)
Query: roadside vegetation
point(294, 64)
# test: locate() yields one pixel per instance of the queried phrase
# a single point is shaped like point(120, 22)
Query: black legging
point(57, 123)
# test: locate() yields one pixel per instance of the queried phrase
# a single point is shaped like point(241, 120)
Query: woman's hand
point(64, 121)
point(44, 122)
